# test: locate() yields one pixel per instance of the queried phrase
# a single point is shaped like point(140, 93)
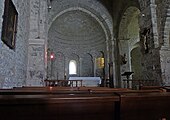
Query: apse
point(80, 34)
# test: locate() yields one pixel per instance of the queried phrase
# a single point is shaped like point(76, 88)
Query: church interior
point(85, 59)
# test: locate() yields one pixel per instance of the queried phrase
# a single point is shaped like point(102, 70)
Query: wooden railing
point(64, 83)
point(136, 84)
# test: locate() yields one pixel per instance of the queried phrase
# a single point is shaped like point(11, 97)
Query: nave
point(45, 43)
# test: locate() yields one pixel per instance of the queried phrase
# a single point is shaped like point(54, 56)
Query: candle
point(51, 88)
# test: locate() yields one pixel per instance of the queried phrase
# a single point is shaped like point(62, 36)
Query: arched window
point(72, 67)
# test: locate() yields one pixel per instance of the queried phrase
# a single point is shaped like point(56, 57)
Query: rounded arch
point(128, 37)
point(91, 7)
point(74, 65)
point(129, 24)
point(96, 11)
point(104, 23)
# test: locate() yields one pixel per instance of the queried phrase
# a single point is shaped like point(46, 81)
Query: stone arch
point(91, 7)
point(106, 24)
point(128, 37)
point(72, 67)
point(76, 58)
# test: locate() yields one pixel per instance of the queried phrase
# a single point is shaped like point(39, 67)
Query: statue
point(123, 59)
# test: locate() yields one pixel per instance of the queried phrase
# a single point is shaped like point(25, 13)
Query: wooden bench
point(144, 106)
point(72, 89)
point(166, 88)
point(58, 107)
point(85, 103)
point(151, 87)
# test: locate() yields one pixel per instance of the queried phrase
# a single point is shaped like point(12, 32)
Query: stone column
point(107, 59)
point(112, 77)
point(80, 66)
point(154, 23)
point(36, 70)
point(36, 65)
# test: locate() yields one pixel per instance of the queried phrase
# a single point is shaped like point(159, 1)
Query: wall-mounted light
point(52, 56)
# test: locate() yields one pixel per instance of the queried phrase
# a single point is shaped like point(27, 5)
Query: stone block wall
point(13, 63)
point(151, 59)
point(163, 13)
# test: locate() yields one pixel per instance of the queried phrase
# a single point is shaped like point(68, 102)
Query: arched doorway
point(128, 37)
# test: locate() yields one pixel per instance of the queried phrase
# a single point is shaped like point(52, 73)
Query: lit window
point(72, 67)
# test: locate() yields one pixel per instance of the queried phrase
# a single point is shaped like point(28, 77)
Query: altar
point(88, 81)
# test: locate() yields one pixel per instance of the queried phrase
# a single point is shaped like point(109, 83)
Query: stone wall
point(151, 58)
point(13, 62)
point(163, 12)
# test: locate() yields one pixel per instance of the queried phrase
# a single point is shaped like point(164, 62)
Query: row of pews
point(84, 103)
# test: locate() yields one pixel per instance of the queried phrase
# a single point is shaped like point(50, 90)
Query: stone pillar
point(112, 77)
point(154, 23)
point(80, 67)
point(95, 67)
point(36, 65)
point(36, 70)
point(107, 60)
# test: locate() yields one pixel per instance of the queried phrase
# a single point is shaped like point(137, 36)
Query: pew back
point(58, 107)
point(144, 106)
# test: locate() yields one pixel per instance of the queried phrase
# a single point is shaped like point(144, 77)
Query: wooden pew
point(78, 90)
point(144, 106)
point(58, 107)
point(101, 103)
point(166, 88)
point(151, 87)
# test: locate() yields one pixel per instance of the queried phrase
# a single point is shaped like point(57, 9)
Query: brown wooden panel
point(58, 107)
point(144, 106)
